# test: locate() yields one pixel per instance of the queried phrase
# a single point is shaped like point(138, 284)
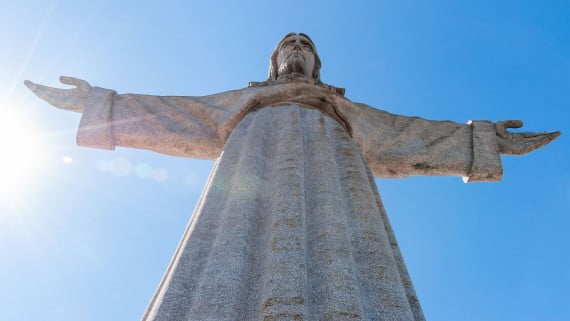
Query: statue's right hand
point(68, 99)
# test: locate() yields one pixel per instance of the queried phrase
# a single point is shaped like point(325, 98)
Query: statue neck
point(296, 78)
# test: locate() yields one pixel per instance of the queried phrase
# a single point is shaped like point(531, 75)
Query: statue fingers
point(540, 140)
point(501, 127)
point(61, 98)
point(79, 83)
point(513, 123)
point(44, 92)
point(527, 142)
point(552, 135)
point(31, 86)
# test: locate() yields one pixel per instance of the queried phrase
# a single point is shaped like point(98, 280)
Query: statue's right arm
point(174, 125)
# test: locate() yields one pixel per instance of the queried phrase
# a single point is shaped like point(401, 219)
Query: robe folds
point(290, 225)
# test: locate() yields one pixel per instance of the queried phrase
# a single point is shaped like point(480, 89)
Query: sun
point(21, 157)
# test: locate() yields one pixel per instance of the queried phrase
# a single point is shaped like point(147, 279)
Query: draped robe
point(290, 225)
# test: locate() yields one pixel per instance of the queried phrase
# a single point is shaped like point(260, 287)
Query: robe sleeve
point(400, 146)
point(179, 126)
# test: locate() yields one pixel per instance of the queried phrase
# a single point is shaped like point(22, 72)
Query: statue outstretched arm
point(400, 146)
point(179, 126)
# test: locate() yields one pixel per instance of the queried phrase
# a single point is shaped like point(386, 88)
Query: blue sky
point(89, 239)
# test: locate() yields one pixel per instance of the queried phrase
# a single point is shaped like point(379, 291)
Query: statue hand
point(68, 99)
point(520, 143)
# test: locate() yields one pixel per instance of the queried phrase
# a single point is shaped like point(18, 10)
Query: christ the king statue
point(290, 225)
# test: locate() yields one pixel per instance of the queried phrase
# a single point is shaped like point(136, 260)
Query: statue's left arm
point(400, 146)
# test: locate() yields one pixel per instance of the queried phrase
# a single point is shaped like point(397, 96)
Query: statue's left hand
point(520, 143)
point(68, 99)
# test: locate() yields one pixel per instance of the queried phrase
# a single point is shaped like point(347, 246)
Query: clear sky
point(87, 234)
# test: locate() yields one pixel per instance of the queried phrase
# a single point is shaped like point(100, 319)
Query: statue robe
point(290, 225)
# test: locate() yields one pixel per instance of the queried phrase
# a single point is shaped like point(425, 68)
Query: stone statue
point(290, 225)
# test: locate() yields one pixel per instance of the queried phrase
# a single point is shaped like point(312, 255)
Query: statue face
point(296, 55)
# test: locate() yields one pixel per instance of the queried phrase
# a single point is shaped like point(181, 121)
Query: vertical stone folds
point(220, 293)
point(383, 294)
point(290, 228)
point(333, 291)
point(283, 275)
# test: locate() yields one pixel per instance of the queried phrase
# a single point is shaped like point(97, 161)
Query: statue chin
point(293, 66)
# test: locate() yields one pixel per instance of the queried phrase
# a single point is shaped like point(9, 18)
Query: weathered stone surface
point(289, 228)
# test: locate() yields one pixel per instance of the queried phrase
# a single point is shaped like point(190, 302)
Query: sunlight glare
point(21, 157)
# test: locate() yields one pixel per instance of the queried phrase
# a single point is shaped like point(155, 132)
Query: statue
point(290, 225)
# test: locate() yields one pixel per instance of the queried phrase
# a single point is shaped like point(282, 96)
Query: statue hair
point(274, 69)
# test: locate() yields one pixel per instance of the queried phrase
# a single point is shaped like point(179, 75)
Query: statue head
point(295, 54)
